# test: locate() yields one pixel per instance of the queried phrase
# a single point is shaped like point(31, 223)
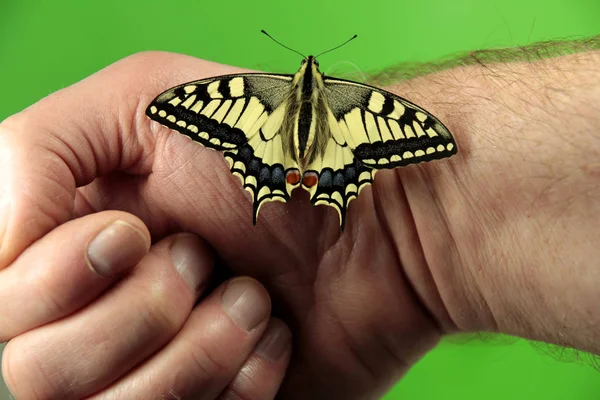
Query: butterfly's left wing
point(241, 115)
point(370, 129)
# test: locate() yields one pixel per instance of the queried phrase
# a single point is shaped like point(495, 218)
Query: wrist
point(506, 227)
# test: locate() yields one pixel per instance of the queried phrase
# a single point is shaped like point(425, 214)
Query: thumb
point(66, 140)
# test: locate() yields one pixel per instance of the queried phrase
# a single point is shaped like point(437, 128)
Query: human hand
point(93, 310)
point(364, 305)
point(90, 148)
point(81, 327)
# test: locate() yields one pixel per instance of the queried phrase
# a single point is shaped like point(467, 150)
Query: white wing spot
point(372, 128)
point(407, 154)
point(356, 128)
point(396, 131)
point(335, 128)
point(215, 141)
point(365, 176)
point(441, 147)
point(431, 132)
point(234, 113)
point(274, 122)
point(220, 114)
point(257, 125)
point(210, 108)
point(153, 110)
point(240, 165)
point(383, 161)
point(171, 118)
point(395, 158)
point(189, 88)
point(450, 146)
point(193, 128)
point(264, 191)
point(385, 132)
point(351, 188)
point(251, 180)
point(197, 107)
point(430, 150)
point(419, 153)
point(253, 110)
point(398, 110)
point(236, 87)
point(213, 90)
point(181, 124)
point(203, 135)
point(162, 113)
point(420, 116)
point(337, 196)
point(279, 156)
point(189, 101)
point(175, 101)
point(376, 102)
point(419, 131)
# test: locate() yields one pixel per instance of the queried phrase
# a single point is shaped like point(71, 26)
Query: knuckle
point(158, 318)
point(158, 310)
point(246, 384)
point(207, 364)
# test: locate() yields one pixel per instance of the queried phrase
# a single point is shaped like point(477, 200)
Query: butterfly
point(279, 132)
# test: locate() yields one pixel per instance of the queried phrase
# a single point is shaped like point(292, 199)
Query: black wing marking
point(338, 187)
point(230, 113)
point(384, 130)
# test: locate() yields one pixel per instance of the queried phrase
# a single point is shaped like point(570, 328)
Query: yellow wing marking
point(220, 114)
point(235, 112)
point(210, 108)
point(236, 87)
point(356, 129)
point(273, 123)
point(384, 130)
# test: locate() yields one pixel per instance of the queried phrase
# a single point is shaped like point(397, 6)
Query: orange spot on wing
point(293, 177)
point(310, 179)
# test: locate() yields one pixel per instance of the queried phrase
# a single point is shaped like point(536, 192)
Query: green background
point(47, 45)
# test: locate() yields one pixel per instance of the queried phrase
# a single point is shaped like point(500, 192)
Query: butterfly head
point(310, 60)
point(310, 63)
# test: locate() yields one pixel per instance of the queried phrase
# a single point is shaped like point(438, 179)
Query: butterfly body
point(279, 132)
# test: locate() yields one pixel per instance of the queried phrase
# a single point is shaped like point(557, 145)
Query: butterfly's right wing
point(241, 115)
point(370, 129)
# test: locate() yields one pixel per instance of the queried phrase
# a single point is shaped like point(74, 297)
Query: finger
point(68, 268)
point(86, 351)
point(263, 371)
point(77, 134)
point(208, 352)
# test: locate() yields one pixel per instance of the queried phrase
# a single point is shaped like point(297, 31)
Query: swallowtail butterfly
point(279, 132)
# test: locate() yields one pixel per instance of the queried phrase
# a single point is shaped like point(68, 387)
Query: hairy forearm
point(518, 246)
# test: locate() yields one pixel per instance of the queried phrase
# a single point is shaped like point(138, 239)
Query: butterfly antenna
point(337, 47)
point(281, 44)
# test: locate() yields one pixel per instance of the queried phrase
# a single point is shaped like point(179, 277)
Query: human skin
point(503, 237)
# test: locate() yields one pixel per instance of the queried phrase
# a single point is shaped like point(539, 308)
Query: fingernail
point(116, 248)
point(275, 341)
point(246, 302)
point(190, 260)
